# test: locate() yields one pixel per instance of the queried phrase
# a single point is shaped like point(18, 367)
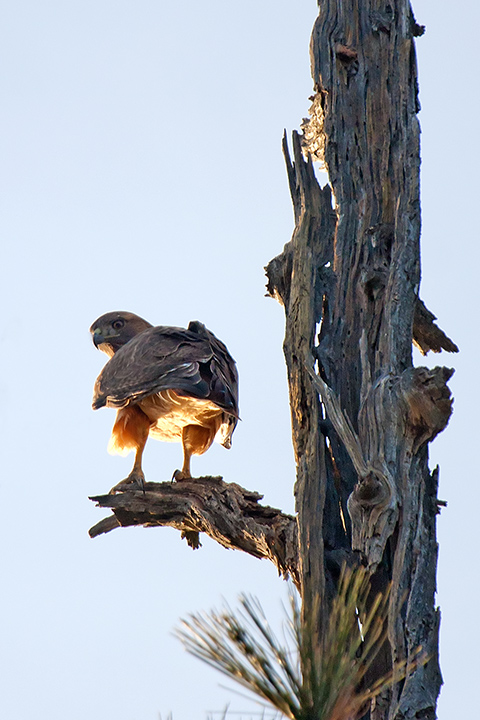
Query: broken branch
point(226, 512)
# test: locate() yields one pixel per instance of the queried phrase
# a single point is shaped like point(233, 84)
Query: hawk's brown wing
point(220, 372)
point(192, 362)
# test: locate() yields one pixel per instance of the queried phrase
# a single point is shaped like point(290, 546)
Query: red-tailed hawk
point(167, 382)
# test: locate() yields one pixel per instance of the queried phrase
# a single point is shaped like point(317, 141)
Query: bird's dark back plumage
point(221, 374)
point(193, 363)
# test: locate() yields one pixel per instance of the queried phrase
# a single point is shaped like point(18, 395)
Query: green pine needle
point(320, 681)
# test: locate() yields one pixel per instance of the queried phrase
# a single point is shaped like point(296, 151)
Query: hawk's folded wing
point(192, 362)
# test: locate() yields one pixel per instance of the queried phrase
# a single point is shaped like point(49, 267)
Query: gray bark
point(362, 416)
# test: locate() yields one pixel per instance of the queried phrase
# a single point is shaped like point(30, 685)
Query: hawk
point(169, 383)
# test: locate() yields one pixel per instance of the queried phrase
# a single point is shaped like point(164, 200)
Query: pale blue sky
point(142, 170)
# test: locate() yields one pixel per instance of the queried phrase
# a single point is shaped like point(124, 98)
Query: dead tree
point(362, 415)
point(349, 281)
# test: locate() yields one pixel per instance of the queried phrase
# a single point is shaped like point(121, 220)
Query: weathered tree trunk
point(362, 416)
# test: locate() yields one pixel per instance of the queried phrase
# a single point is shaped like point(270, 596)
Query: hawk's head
point(114, 329)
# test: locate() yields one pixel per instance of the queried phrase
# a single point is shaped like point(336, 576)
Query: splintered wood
point(226, 512)
point(349, 282)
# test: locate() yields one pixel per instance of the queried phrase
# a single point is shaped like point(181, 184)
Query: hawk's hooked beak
point(102, 341)
point(97, 337)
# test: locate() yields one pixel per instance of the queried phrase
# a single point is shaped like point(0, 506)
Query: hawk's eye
point(118, 324)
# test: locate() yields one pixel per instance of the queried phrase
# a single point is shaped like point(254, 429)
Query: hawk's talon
point(179, 475)
point(135, 481)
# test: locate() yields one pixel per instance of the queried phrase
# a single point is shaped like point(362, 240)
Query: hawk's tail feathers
point(225, 431)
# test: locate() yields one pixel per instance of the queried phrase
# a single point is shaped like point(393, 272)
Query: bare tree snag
point(226, 512)
point(365, 473)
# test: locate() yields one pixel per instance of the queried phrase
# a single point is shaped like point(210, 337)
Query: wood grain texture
point(353, 337)
point(427, 335)
point(226, 512)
